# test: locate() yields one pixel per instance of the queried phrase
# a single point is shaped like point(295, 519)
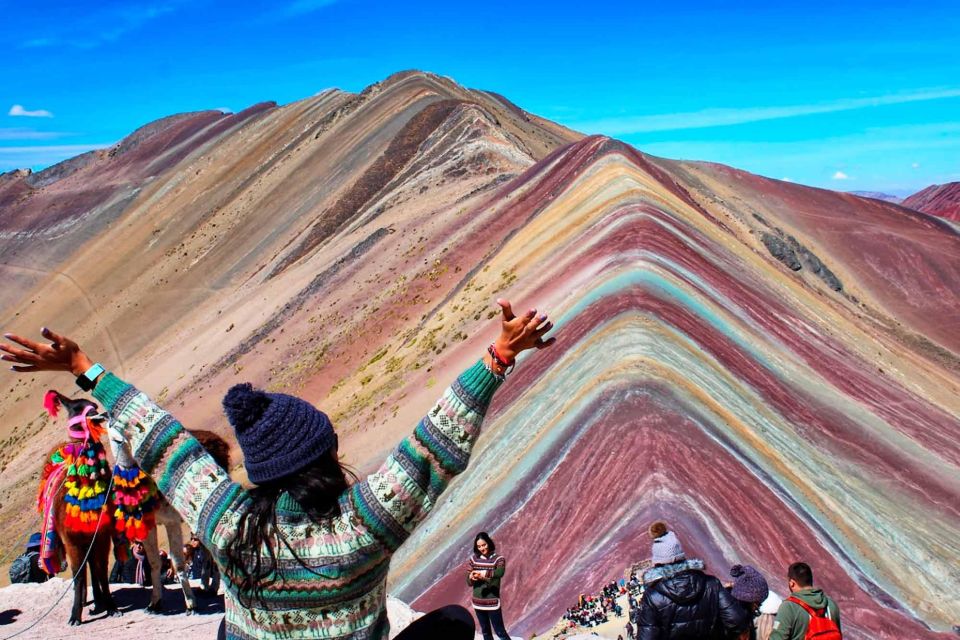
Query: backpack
point(25, 569)
point(820, 626)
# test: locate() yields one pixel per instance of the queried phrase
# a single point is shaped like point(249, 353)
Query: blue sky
point(843, 95)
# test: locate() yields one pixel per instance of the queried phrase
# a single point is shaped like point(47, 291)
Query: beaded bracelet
point(507, 366)
point(499, 376)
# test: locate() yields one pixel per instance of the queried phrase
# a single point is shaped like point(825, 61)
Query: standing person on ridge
point(750, 589)
point(485, 570)
point(806, 606)
point(305, 554)
point(680, 601)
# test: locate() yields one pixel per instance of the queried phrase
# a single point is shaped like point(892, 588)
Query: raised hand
point(519, 333)
point(62, 354)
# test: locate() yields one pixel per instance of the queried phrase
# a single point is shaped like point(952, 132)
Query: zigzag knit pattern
point(343, 592)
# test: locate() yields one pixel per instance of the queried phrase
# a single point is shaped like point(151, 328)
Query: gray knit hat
point(667, 549)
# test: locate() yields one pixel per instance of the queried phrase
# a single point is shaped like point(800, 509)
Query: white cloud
point(18, 110)
point(726, 117)
point(915, 165)
point(786, 179)
point(840, 175)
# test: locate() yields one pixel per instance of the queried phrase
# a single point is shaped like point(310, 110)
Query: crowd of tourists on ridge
point(331, 581)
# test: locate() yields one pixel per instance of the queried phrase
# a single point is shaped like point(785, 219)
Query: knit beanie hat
point(278, 434)
point(749, 585)
point(667, 549)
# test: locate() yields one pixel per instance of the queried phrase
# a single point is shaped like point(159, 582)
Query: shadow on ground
point(9, 616)
point(132, 598)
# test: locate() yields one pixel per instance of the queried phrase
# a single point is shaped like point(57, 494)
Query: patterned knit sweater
point(343, 595)
point(486, 592)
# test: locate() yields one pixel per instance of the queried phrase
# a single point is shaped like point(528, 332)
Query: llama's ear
point(51, 402)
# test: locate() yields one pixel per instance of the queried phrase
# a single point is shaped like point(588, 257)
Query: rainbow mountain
point(773, 369)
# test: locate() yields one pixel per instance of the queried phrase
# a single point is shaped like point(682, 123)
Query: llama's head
point(84, 422)
point(120, 448)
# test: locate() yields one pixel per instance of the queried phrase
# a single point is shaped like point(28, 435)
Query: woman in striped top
point(485, 570)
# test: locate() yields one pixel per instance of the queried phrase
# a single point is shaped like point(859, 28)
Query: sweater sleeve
point(500, 568)
point(392, 501)
point(188, 477)
point(469, 569)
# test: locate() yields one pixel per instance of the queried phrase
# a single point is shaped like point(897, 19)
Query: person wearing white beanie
point(680, 601)
point(667, 550)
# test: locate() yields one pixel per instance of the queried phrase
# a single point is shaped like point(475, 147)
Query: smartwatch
point(88, 379)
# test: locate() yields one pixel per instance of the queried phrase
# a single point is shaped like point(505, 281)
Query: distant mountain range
point(876, 195)
point(773, 369)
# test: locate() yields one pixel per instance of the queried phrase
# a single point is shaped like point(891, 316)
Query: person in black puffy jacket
point(680, 601)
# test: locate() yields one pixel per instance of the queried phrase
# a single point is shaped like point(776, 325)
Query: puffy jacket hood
point(812, 596)
point(684, 588)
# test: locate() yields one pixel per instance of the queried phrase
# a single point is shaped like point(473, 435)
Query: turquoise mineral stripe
point(108, 390)
point(625, 280)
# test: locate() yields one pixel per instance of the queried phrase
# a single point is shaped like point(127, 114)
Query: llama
point(75, 504)
point(142, 524)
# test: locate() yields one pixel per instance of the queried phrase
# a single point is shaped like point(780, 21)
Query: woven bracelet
point(507, 366)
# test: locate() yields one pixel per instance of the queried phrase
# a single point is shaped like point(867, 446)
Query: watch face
point(84, 383)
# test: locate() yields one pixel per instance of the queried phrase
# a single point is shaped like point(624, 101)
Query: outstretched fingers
point(23, 342)
point(15, 354)
point(506, 309)
point(55, 338)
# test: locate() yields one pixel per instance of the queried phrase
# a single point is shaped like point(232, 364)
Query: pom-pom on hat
point(657, 529)
point(748, 584)
point(667, 549)
point(278, 434)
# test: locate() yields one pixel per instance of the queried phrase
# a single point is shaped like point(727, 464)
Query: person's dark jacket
point(689, 605)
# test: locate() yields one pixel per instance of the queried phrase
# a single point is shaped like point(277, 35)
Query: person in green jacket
point(792, 619)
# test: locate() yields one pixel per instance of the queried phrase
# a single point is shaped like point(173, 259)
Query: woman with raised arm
point(305, 553)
